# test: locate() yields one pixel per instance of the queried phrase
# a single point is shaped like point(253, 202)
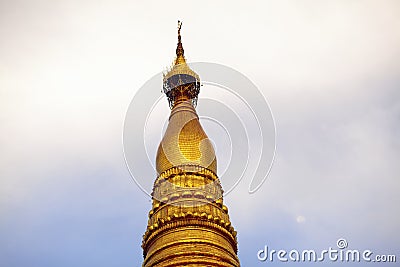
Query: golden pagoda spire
point(179, 79)
point(180, 57)
point(188, 224)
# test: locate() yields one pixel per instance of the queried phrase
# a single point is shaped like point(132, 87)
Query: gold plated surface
point(185, 142)
point(188, 224)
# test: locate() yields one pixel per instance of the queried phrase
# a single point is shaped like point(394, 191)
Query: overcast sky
point(330, 71)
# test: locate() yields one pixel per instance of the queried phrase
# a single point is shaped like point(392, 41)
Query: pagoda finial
point(180, 58)
point(180, 82)
point(179, 28)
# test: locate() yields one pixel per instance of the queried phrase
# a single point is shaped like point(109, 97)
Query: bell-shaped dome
point(185, 143)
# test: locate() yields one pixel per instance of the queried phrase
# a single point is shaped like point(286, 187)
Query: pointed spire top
point(180, 81)
point(180, 58)
point(179, 29)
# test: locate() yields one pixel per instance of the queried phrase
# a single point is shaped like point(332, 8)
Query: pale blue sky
point(69, 69)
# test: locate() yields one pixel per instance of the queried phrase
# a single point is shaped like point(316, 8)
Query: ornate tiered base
point(188, 224)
